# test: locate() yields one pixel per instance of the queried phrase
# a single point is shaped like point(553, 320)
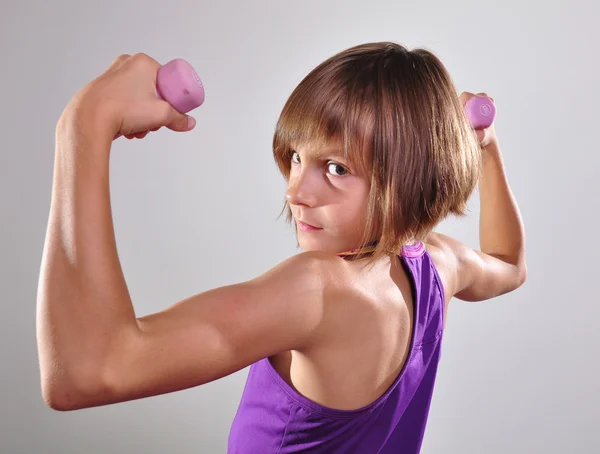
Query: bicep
point(217, 332)
point(478, 276)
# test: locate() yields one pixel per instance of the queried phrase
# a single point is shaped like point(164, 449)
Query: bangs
point(333, 110)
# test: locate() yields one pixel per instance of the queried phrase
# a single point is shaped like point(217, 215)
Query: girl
point(343, 340)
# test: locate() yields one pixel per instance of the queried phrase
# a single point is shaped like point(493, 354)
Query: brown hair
point(399, 119)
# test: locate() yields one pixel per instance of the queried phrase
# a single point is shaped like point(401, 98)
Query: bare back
point(368, 333)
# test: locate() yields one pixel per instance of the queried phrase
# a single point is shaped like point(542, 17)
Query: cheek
point(356, 211)
point(350, 215)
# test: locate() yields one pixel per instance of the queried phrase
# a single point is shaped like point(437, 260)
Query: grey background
point(198, 210)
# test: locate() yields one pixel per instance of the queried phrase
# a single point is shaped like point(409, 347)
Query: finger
point(172, 119)
point(465, 96)
point(182, 123)
point(480, 135)
point(137, 135)
point(486, 95)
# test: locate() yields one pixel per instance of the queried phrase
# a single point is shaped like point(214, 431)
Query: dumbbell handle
point(480, 111)
point(178, 84)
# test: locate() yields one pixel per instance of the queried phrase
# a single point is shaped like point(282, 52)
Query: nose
point(302, 189)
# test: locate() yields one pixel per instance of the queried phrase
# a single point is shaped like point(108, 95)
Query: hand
point(486, 136)
point(125, 100)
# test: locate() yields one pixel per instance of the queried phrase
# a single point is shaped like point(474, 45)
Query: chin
point(308, 247)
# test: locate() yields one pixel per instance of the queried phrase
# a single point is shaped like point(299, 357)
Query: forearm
point(82, 300)
point(501, 229)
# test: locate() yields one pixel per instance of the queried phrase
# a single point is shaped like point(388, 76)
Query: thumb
point(181, 122)
point(480, 135)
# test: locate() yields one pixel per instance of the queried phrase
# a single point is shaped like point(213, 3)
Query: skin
point(327, 191)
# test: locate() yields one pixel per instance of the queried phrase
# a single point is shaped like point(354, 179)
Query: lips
point(310, 225)
point(307, 227)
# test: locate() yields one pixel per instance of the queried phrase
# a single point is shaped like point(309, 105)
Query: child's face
point(327, 191)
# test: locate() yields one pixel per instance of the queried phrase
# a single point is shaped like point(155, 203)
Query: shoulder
point(324, 262)
point(321, 271)
point(308, 283)
point(316, 265)
point(324, 276)
point(313, 277)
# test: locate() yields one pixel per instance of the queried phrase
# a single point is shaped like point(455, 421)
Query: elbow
point(524, 272)
point(522, 275)
point(60, 399)
point(68, 395)
point(70, 398)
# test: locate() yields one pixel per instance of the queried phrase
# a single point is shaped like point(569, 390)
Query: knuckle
point(140, 58)
point(465, 96)
point(146, 59)
point(120, 59)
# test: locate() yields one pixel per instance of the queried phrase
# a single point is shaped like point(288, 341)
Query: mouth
point(307, 227)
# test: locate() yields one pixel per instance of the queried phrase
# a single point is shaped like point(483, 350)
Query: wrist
point(88, 119)
point(492, 148)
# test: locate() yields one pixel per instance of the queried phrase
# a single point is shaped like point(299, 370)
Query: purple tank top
point(273, 418)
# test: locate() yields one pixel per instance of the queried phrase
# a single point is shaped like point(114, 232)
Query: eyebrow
point(335, 153)
point(332, 152)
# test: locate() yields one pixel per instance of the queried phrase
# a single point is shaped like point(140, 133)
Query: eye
point(339, 167)
point(330, 164)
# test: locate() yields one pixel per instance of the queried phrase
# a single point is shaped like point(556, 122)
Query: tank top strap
point(408, 250)
point(413, 250)
point(428, 293)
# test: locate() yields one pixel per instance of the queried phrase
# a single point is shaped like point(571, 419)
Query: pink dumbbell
point(178, 84)
point(480, 111)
